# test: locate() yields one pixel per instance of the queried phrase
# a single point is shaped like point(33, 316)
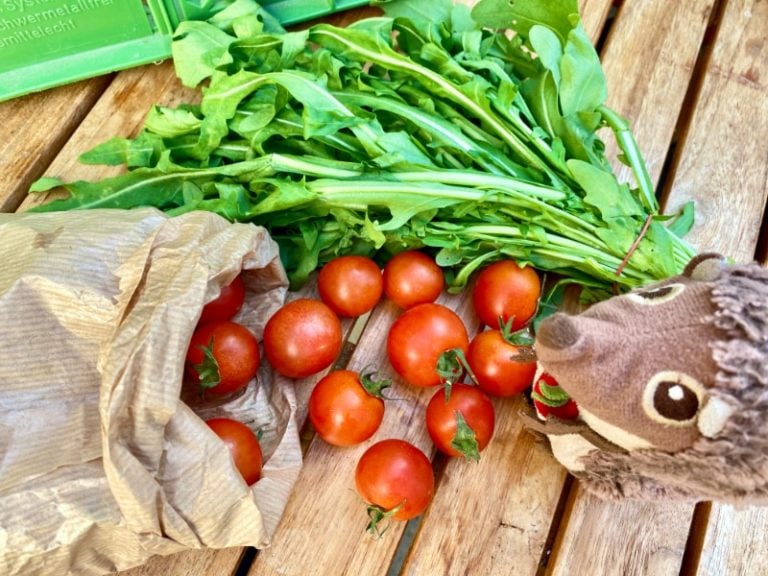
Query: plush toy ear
point(705, 267)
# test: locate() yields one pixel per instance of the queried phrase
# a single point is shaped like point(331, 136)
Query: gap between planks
point(36, 141)
point(685, 117)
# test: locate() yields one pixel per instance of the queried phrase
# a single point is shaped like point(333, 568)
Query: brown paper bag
point(102, 463)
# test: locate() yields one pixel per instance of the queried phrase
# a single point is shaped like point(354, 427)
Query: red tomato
point(222, 356)
point(395, 478)
point(503, 289)
point(419, 337)
point(302, 338)
point(227, 304)
point(350, 285)
point(491, 359)
point(477, 415)
point(412, 278)
point(346, 409)
point(551, 400)
point(243, 445)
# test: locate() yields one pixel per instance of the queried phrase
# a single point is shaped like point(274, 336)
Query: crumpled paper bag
point(102, 462)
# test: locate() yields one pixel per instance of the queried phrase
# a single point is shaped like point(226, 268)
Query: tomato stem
point(208, 370)
point(377, 514)
point(521, 337)
point(451, 367)
point(465, 440)
point(373, 386)
point(549, 395)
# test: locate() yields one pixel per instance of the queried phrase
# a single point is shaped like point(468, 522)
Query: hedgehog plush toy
point(671, 384)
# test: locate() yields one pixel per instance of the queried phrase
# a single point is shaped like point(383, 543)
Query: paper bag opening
point(102, 461)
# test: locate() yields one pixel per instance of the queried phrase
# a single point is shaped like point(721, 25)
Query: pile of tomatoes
point(222, 358)
point(427, 346)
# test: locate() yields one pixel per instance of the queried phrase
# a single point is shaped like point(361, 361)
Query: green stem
point(576, 250)
point(483, 181)
point(628, 145)
point(316, 167)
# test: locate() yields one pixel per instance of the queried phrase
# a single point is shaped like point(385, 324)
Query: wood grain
point(191, 563)
point(33, 130)
point(492, 517)
point(594, 13)
point(735, 543)
point(649, 60)
point(120, 112)
point(620, 538)
point(724, 161)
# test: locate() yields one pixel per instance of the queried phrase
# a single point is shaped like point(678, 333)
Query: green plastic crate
point(46, 43)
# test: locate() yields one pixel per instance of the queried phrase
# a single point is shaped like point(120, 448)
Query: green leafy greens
point(444, 133)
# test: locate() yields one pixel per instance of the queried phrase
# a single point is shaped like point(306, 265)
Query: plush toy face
point(672, 386)
point(639, 365)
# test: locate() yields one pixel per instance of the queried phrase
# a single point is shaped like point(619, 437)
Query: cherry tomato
point(226, 304)
point(550, 399)
point(222, 356)
point(504, 289)
point(350, 285)
point(395, 478)
point(462, 425)
point(243, 445)
point(419, 337)
point(411, 277)
point(345, 408)
point(492, 360)
point(302, 338)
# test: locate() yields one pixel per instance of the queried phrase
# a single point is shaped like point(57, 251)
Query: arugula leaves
point(429, 127)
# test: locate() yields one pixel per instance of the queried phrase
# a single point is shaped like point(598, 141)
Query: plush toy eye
point(656, 295)
point(673, 398)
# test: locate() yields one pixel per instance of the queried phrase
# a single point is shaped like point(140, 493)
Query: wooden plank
point(120, 112)
point(508, 499)
point(594, 13)
point(724, 165)
point(620, 538)
point(33, 130)
point(191, 563)
point(735, 542)
point(731, 113)
point(323, 529)
point(506, 502)
point(648, 59)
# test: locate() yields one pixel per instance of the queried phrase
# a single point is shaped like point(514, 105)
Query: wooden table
point(693, 79)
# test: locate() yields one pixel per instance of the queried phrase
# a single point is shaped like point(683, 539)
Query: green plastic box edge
point(163, 16)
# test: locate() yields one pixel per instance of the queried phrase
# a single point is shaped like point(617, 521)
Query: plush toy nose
point(557, 332)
